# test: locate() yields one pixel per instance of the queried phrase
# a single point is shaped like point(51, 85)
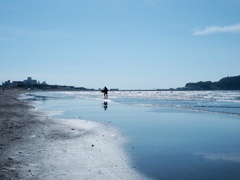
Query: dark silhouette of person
point(105, 105)
point(105, 92)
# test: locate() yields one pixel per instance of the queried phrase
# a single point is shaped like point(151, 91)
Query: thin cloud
point(235, 28)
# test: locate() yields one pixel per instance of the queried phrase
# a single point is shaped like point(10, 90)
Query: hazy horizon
point(97, 88)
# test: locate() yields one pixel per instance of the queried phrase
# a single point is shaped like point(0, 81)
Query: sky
point(125, 44)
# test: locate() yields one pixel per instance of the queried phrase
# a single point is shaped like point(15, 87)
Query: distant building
point(30, 81)
point(17, 83)
point(24, 83)
point(7, 83)
point(12, 84)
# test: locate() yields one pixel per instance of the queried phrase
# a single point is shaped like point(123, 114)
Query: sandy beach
point(34, 146)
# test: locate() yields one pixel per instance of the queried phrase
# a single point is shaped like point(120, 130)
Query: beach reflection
point(233, 157)
point(105, 105)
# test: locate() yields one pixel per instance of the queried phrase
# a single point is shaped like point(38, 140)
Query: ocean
point(171, 134)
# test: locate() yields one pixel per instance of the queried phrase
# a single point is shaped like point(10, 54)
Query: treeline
point(227, 83)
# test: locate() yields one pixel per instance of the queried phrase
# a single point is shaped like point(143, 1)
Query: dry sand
point(34, 146)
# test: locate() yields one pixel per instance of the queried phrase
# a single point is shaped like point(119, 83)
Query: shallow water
point(178, 135)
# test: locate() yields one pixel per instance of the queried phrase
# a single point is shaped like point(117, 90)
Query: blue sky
point(119, 43)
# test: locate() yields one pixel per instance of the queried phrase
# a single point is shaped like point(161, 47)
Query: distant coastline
point(226, 83)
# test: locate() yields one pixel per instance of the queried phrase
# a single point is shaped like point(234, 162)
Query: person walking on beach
point(105, 92)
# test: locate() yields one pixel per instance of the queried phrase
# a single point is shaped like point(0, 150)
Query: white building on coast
point(28, 82)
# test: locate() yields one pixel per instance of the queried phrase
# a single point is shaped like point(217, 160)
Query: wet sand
point(34, 146)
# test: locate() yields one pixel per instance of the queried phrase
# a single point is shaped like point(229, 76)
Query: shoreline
point(36, 146)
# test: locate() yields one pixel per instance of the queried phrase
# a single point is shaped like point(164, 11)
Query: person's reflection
point(105, 105)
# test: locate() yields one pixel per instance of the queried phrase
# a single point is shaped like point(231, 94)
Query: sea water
point(172, 135)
